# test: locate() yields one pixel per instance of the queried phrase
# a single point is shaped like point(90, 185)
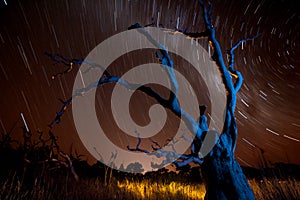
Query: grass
point(146, 189)
point(64, 186)
point(276, 188)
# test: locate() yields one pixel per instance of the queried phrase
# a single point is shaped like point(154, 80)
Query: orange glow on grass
point(148, 190)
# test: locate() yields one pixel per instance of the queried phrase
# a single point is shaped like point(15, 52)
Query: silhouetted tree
point(135, 167)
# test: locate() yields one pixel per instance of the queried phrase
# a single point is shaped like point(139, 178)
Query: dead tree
point(222, 174)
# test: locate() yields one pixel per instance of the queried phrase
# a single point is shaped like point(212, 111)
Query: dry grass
point(147, 190)
point(276, 188)
point(65, 187)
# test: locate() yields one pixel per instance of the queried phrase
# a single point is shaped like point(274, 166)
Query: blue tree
point(221, 172)
point(223, 176)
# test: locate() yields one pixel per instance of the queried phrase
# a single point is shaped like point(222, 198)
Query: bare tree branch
point(137, 148)
point(171, 103)
point(234, 47)
point(58, 116)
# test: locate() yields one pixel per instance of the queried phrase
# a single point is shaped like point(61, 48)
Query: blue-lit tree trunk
point(223, 176)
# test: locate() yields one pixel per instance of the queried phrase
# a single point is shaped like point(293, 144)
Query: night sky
point(268, 112)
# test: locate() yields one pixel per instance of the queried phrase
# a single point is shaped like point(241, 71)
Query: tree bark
point(223, 176)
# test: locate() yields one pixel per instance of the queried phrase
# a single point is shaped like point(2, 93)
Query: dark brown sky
point(268, 104)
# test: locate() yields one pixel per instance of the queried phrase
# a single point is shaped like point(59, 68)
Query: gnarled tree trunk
point(223, 176)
